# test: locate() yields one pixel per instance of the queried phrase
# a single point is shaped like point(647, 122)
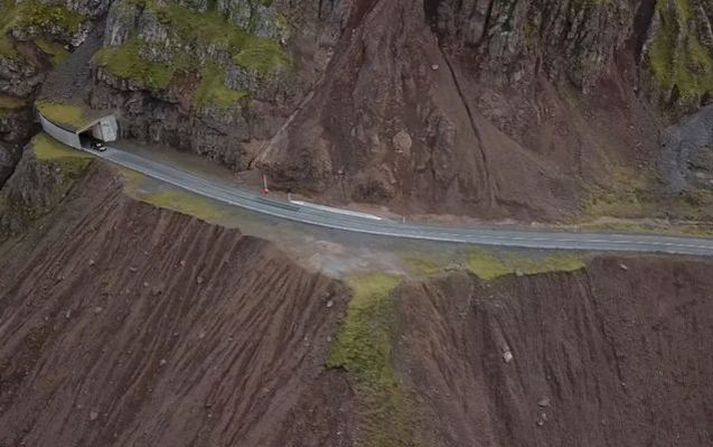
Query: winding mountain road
point(549, 239)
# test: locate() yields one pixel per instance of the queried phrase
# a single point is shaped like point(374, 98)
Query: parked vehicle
point(97, 146)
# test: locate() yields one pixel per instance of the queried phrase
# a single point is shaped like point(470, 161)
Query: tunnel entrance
point(104, 129)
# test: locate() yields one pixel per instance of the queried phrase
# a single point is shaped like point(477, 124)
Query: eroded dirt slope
point(614, 356)
point(123, 324)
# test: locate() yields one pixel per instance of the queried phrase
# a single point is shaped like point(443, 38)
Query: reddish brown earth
point(606, 357)
point(123, 324)
point(427, 121)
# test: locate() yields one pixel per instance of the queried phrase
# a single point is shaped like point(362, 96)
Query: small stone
point(201, 335)
point(519, 273)
point(91, 262)
point(200, 280)
point(162, 362)
point(624, 267)
point(146, 284)
point(133, 269)
point(208, 405)
point(507, 356)
point(542, 419)
point(93, 415)
point(435, 67)
point(68, 314)
point(330, 303)
point(544, 402)
point(183, 263)
point(98, 310)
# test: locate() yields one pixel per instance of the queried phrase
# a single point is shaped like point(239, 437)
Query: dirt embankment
point(123, 324)
point(614, 356)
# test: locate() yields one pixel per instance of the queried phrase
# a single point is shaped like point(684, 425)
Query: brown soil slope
point(122, 324)
point(458, 113)
point(610, 357)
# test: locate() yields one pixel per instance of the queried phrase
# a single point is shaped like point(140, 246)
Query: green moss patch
point(9, 103)
point(263, 56)
point(38, 19)
point(680, 64)
point(212, 90)
point(126, 62)
point(73, 162)
point(55, 51)
point(49, 18)
point(489, 265)
point(67, 115)
point(186, 203)
point(194, 33)
point(364, 349)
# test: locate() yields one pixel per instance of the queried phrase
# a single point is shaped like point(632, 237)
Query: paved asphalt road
point(505, 238)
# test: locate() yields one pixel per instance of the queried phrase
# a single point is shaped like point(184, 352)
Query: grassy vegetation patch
point(48, 18)
point(7, 19)
point(489, 265)
point(679, 62)
point(68, 115)
point(72, 161)
point(202, 28)
point(11, 103)
point(38, 19)
point(422, 266)
point(56, 51)
point(195, 33)
point(262, 55)
point(212, 90)
point(187, 203)
point(126, 62)
point(364, 349)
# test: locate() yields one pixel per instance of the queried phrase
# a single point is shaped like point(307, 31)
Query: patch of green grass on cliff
point(212, 28)
point(126, 62)
point(677, 59)
point(7, 19)
point(45, 18)
point(9, 103)
point(39, 19)
point(363, 348)
point(212, 90)
point(262, 55)
point(73, 162)
point(488, 265)
point(68, 115)
point(207, 27)
point(187, 203)
point(56, 52)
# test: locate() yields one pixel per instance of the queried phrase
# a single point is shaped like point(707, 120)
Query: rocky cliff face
point(211, 78)
point(491, 108)
point(35, 38)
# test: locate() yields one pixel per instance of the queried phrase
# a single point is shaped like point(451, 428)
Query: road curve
point(549, 240)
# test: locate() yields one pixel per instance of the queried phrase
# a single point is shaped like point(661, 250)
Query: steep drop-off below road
point(123, 324)
point(617, 355)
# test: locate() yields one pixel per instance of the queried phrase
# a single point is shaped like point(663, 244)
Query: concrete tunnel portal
point(103, 129)
point(79, 133)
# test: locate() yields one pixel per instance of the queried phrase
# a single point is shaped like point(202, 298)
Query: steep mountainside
point(122, 324)
point(612, 356)
point(125, 324)
point(493, 108)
